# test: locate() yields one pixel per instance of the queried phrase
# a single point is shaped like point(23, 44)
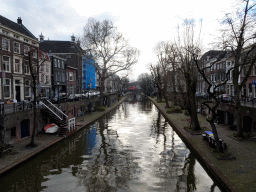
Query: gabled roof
point(60, 47)
point(16, 27)
point(212, 54)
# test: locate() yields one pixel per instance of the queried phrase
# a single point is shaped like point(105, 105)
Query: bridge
point(133, 95)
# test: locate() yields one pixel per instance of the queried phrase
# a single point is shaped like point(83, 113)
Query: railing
point(56, 108)
point(71, 124)
point(41, 103)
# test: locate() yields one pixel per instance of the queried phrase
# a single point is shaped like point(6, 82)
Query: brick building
point(16, 41)
point(71, 51)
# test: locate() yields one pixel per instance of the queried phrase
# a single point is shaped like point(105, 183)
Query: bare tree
point(237, 38)
point(155, 71)
point(145, 81)
point(109, 49)
point(212, 90)
point(187, 46)
point(36, 60)
point(163, 68)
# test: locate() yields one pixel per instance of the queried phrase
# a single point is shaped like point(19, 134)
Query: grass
point(175, 109)
point(100, 108)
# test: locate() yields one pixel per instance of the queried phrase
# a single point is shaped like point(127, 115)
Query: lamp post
point(88, 86)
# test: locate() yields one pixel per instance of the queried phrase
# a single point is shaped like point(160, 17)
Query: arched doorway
point(247, 124)
point(24, 128)
point(220, 115)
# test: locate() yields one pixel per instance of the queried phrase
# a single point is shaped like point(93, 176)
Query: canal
point(132, 148)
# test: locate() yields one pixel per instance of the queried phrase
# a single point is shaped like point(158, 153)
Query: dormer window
point(5, 32)
point(16, 36)
point(26, 40)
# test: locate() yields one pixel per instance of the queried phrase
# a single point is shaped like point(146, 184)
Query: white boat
point(51, 128)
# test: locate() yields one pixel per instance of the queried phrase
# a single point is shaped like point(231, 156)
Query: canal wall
point(212, 170)
point(19, 124)
point(21, 154)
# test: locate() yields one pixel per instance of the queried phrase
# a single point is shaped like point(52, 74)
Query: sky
point(144, 23)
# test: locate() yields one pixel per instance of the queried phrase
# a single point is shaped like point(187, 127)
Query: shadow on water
point(132, 148)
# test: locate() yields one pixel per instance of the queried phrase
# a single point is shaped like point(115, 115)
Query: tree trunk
point(102, 91)
point(32, 143)
point(166, 100)
point(238, 116)
point(193, 114)
point(191, 90)
point(215, 134)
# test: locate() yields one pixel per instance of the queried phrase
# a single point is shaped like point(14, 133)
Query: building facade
point(16, 41)
point(58, 76)
point(88, 74)
point(71, 51)
point(71, 80)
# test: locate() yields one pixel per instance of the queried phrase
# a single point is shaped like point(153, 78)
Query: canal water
point(132, 148)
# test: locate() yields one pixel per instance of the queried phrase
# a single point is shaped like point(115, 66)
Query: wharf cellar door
point(247, 124)
point(24, 128)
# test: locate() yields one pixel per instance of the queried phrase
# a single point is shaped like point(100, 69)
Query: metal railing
point(41, 103)
point(71, 124)
point(57, 108)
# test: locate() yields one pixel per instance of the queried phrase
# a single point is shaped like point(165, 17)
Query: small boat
point(51, 128)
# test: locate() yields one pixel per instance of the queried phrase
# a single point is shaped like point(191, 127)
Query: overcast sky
point(144, 23)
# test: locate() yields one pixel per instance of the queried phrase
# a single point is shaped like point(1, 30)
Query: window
point(17, 65)
point(55, 62)
point(26, 40)
point(42, 68)
point(47, 68)
point(58, 63)
point(26, 50)
point(27, 88)
point(47, 79)
point(26, 68)
point(35, 54)
point(63, 66)
point(63, 77)
point(67, 75)
point(6, 63)
point(16, 36)
point(68, 56)
point(7, 89)
point(70, 76)
point(59, 76)
point(16, 47)
point(5, 32)
point(56, 77)
point(6, 44)
point(42, 79)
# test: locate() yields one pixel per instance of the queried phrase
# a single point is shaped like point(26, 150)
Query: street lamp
point(88, 86)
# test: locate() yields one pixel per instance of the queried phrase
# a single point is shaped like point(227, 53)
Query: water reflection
point(132, 148)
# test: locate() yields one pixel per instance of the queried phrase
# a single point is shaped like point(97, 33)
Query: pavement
point(20, 153)
point(237, 174)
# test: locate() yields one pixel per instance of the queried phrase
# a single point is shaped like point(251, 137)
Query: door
point(24, 128)
point(247, 124)
point(17, 90)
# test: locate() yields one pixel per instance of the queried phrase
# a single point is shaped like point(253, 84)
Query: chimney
point(41, 37)
point(78, 42)
point(73, 38)
point(19, 21)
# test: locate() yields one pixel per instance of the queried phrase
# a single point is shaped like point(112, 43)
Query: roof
point(212, 54)
point(16, 27)
point(60, 47)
